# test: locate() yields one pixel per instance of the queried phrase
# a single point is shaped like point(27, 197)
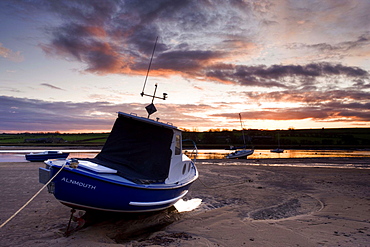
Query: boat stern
point(44, 177)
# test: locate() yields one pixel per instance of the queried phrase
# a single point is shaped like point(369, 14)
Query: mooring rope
point(33, 197)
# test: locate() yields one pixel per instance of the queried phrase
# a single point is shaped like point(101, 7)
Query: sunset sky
point(70, 66)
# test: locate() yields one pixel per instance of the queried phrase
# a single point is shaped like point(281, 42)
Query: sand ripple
point(292, 207)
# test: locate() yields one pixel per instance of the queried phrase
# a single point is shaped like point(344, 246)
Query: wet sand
point(244, 203)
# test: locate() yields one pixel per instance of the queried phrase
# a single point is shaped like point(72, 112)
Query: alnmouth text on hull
point(70, 181)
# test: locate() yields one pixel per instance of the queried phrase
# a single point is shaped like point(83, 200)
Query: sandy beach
point(244, 203)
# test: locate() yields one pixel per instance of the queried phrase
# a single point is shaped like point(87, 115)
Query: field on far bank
point(346, 138)
point(53, 139)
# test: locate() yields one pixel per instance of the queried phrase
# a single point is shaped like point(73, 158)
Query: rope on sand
point(33, 197)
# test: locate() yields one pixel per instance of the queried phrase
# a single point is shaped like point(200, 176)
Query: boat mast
point(151, 108)
point(241, 124)
point(150, 64)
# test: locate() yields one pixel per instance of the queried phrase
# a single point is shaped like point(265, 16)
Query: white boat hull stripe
point(147, 204)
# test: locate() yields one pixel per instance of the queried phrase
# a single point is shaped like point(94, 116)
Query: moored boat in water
point(241, 154)
point(41, 156)
point(277, 150)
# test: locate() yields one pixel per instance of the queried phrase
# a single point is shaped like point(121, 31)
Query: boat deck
point(97, 171)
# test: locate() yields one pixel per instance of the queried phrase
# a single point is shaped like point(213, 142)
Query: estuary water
point(267, 154)
point(19, 155)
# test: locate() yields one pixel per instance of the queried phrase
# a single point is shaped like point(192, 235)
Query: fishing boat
point(241, 154)
point(41, 156)
point(140, 168)
point(278, 149)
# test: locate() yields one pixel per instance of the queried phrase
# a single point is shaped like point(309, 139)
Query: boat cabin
point(144, 150)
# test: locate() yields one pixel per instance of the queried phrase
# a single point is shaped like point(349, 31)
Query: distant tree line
point(309, 138)
point(346, 138)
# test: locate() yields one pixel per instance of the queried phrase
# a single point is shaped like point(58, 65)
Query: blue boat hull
point(77, 189)
point(40, 158)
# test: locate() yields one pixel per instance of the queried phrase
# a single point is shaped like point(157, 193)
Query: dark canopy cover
point(138, 150)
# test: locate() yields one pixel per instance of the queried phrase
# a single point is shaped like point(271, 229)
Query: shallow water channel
point(19, 155)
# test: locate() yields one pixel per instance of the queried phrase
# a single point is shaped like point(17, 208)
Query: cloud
point(51, 86)
point(328, 114)
point(118, 37)
point(330, 106)
point(307, 97)
point(185, 62)
point(85, 44)
point(17, 114)
point(10, 55)
point(282, 76)
point(22, 114)
point(197, 39)
point(352, 48)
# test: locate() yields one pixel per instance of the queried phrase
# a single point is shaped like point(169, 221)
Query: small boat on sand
point(140, 168)
point(39, 157)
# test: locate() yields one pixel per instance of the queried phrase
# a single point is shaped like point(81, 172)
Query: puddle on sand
point(186, 206)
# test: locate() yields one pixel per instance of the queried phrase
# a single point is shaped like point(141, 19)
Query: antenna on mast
point(151, 108)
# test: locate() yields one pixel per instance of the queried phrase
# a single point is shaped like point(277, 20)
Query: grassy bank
point(346, 138)
point(54, 139)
